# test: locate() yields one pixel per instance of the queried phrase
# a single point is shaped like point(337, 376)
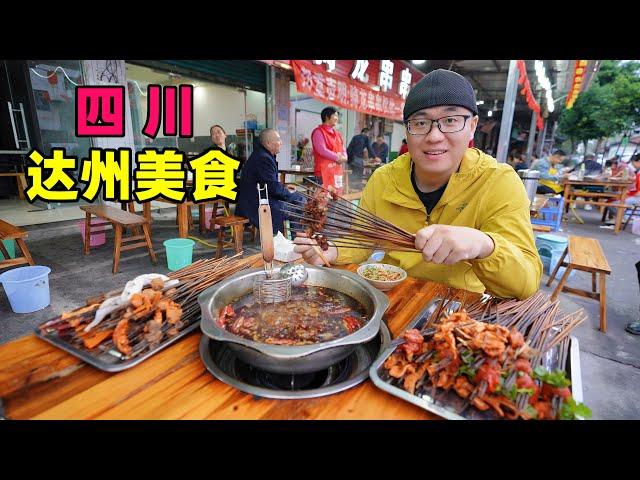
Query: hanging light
point(489, 113)
point(543, 80)
point(418, 62)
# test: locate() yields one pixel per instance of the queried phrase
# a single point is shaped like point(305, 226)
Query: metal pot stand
point(223, 364)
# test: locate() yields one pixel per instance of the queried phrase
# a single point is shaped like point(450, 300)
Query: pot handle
point(382, 299)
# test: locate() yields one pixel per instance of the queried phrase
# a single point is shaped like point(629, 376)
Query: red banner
point(314, 80)
point(528, 94)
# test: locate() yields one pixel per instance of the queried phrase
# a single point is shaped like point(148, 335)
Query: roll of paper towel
point(284, 249)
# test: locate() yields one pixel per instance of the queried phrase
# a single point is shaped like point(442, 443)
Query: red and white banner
point(314, 80)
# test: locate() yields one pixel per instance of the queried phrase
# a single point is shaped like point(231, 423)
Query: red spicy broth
point(311, 315)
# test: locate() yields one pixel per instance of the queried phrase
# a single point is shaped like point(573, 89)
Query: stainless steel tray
point(110, 361)
point(449, 404)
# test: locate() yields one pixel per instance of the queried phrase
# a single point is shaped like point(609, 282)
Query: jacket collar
point(266, 152)
point(399, 190)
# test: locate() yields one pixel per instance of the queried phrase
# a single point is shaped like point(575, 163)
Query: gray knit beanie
point(440, 87)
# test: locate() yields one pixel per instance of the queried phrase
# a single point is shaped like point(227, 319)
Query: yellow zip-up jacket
point(484, 195)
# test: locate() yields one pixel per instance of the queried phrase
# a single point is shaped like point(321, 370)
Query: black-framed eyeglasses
point(448, 124)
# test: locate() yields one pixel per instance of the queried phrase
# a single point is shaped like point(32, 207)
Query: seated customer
point(218, 137)
point(633, 197)
point(591, 167)
point(550, 177)
point(261, 167)
point(470, 214)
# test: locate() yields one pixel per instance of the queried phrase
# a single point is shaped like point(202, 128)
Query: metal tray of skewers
point(132, 330)
point(447, 404)
point(108, 358)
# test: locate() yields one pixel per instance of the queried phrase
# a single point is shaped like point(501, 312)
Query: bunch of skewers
point(325, 216)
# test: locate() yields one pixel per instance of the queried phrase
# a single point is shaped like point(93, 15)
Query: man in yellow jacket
point(470, 213)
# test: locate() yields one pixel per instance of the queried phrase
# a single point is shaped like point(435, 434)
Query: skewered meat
point(414, 336)
point(157, 284)
point(490, 373)
point(516, 339)
point(153, 331)
point(173, 313)
point(463, 387)
point(480, 404)
point(487, 364)
point(491, 343)
point(120, 337)
point(412, 378)
point(137, 300)
point(544, 410)
point(523, 365)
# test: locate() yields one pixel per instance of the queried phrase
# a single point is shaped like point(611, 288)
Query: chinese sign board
point(376, 87)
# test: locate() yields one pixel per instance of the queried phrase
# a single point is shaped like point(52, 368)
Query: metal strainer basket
point(272, 290)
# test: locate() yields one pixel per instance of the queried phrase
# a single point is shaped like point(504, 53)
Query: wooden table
point(617, 193)
point(39, 381)
point(283, 173)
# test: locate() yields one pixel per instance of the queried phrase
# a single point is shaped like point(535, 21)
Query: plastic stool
point(551, 214)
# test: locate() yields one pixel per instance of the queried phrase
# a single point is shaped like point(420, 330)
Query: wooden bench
point(119, 219)
point(236, 223)
point(11, 232)
point(586, 255)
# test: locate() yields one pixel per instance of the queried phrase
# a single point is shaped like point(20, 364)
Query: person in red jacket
point(403, 148)
point(328, 145)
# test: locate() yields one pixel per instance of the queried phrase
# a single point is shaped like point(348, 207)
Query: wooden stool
point(11, 232)
point(217, 206)
point(237, 226)
point(119, 219)
point(586, 255)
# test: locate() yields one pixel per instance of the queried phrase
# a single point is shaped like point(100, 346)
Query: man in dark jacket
point(355, 152)
point(261, 167)
point(591, 167)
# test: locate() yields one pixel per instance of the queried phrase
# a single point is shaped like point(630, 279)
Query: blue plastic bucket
point(10, 245)
point(27, 288)
point(179, 252)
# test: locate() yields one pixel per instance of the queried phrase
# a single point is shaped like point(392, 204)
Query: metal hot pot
point(295, 359)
